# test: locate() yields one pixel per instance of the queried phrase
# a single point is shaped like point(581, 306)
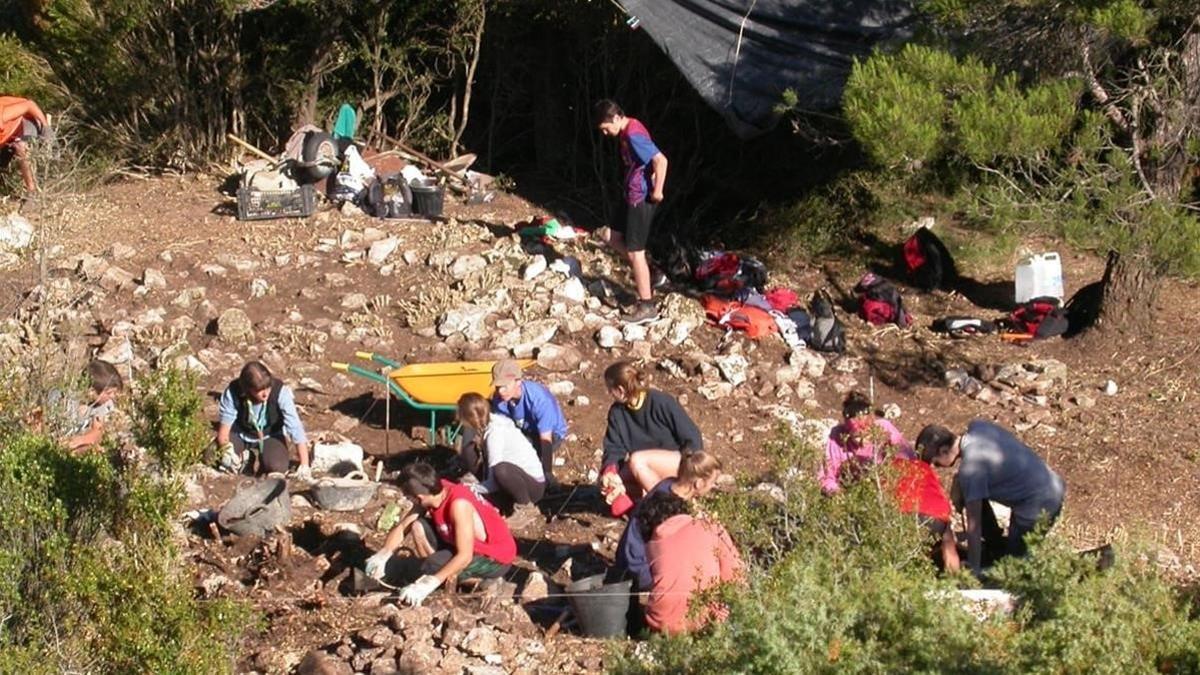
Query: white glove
point(416, 592)
point(377, 564)
point(230, 460)
point(304, 473)
point(478, 488)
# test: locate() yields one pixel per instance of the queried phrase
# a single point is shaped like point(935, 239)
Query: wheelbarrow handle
point(372, 356)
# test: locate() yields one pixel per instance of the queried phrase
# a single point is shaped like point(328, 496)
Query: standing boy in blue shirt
point(645, 176)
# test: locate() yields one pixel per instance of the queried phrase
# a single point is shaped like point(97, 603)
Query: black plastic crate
point(267, 204)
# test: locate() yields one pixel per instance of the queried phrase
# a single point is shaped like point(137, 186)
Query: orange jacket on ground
point(14, 109)
point(687, 555)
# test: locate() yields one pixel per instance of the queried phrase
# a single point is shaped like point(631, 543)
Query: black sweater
point(660, 423)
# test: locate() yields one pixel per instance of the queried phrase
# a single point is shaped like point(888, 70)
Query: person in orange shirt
point(21, 119)
point(687, 555)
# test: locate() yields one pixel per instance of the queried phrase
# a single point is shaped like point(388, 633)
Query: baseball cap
point(505, 372)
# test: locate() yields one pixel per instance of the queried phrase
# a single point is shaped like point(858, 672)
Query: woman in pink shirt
point(687, 555)
point(861, 440)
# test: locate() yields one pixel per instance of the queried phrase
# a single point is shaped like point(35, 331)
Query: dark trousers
point(997, 544)
point(273, 455)
point(516, 486)
point(480, 567)
point(545, 452)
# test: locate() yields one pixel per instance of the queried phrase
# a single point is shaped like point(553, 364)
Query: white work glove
point(304, 473)
point(416, 592)
point(377, 564)
point(230, 460)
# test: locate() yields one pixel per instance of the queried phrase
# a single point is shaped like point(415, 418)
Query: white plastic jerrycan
point(1039, 276)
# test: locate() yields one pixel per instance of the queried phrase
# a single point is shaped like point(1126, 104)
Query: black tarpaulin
point(742, 54)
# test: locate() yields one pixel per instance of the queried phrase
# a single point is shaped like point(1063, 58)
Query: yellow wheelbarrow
point(429, 387)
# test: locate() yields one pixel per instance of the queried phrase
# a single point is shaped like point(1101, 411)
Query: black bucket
point(428, 200)
point(600, 608)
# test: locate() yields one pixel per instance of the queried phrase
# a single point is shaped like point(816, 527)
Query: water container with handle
point(1039, 276)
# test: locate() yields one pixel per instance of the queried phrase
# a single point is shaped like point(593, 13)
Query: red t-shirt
point(500, 545)
point(919, 491)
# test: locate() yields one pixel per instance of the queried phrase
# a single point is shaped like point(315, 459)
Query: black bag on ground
point(928, 261)
point(1041, 317)
point(828, 333)
point(964, 326)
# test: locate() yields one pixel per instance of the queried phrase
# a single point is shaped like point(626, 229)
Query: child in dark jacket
point(647, 431)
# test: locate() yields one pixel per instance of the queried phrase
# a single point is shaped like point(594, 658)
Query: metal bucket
point(350, 493)
point(601, 609)
point(257, 508)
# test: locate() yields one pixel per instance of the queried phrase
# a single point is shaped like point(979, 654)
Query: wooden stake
point(251, 148)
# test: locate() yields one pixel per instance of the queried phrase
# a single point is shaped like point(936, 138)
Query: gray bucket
point(350, 493)
point(257, 509)
point(599, 608)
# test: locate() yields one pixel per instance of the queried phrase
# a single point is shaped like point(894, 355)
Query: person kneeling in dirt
point(87, 421)
point(861, 440)
point(257, 416)
point(473, 540)
point(502, 459)
point(533, 409)
point(687, 555)
point(647, 431)
point(995, 466)
point(698, 475)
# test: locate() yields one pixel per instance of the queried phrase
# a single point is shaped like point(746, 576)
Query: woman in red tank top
point(457, 533)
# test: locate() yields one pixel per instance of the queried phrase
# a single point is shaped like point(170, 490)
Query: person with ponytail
point(647, 432)
point(698, 475)
point(503, 460)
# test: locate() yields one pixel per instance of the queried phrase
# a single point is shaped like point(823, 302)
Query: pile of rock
point(1033, 383)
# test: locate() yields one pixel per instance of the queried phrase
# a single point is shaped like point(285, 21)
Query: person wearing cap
point(20, 120)
point(532, 408)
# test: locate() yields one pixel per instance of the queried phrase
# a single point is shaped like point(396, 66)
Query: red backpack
point(879, 302)
point(1041, 317)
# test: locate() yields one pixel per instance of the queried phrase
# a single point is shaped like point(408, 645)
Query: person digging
point(458, 535)
point(20, 121)
point(257, 416)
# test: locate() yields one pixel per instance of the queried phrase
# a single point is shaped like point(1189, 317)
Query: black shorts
point(637, 225)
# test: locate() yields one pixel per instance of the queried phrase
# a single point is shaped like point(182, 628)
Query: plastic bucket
point(600, 608)
point(257, 508)
point(428, 200)
point(344, 494)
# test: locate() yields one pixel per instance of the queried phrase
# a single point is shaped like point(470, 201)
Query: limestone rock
point(381, 250)
point(733, 368)
point(481, 641)
point(190, 297)
point(1110, 388)
point(117, 350)
point(468, 320)
point(213, 270)
point(234, 327)
point(524, 339)
point(261, 288)
point(536, 266)
point(355, 301)
point(572, 290)
point(608, 336)
point(466, 265)
point(633, 332)
point(16, 232)
point(561, 388)
point(715, 390)
point(120, 251)
point(115, 279)
point(581, 401)
point(153, 279)
point(319, 663)
point(91, 267)
point(810, 363)
point(559, 358)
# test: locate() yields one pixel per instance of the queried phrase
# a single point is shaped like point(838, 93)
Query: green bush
point(90, 579)
point(169, 421)
point(844, 584)
point(1010, 122)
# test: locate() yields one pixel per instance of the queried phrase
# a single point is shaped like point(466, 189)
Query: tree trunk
point(1131, 285)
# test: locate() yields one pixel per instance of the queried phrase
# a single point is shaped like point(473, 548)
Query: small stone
point(116, 350)
point(559, 358)
point(234, 327)
point(1084, 401)
point(535, 588)
point(337, 279)
point(572, 290)
point(1110, 388)
point(355, 301)
point(733, 368)
point(213, 270)
point(810, 363)
point(381, 250)
point(410, 257)
point(261, 288)
point(317, 662)
point(581, 401)
point(300, 502)
point(120, 251)
point(633, 332)
point(715, 390)
point(283, 259)
point(115, 279)
point(92, 267)
point(481, 641)
point(384, 666)
point(465, 266)
point(190, 297)
point(153, 279)
point(891, 411)
point(468, 320)
point(375, 636)
point(536, 266)
point(561, 388)
point(608, 337)
point(986, 395)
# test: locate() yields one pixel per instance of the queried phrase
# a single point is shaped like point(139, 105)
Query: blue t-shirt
point(535, 413)
point(631, 550)
point(637, 149)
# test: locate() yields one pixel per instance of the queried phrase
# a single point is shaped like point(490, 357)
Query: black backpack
point(828, 333)
point(928, 261)
point(1041, 317)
